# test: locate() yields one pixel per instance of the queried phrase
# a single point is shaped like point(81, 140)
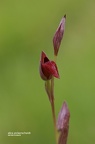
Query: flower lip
point(47, 68)
point(65, 16)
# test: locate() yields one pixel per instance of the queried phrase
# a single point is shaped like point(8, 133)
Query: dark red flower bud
point(47, 68)
point(59, 35)
point(63, 124)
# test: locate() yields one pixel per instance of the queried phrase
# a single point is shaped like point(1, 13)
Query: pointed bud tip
point(65, 16)
point(43, 53)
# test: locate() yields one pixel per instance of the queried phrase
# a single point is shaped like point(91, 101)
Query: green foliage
point(27, 28)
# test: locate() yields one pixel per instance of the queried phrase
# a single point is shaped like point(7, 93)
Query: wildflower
point(47, 68)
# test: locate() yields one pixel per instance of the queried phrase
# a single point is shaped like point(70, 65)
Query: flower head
point(47, 68)
point(59, 35)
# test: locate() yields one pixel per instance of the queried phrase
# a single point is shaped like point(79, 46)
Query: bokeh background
point(26, 28)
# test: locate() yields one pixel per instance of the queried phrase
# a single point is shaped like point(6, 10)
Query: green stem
point(55, 58)
point(54, 121)
point(53, 109)
point(49, 86)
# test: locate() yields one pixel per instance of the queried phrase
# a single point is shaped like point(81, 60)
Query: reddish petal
point(47, 68)
point(50, 68)
point(42, 73)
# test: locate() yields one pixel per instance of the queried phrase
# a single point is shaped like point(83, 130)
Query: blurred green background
point(26, 28)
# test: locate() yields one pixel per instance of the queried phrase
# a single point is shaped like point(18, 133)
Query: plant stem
point(54, 121)
point(49, 86)
point(55, 58)
point(53, 109)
